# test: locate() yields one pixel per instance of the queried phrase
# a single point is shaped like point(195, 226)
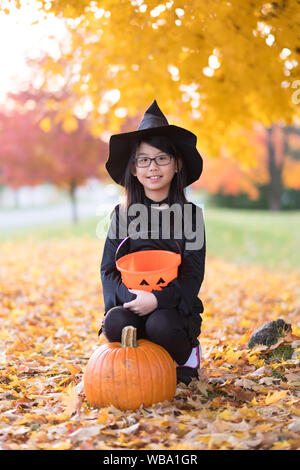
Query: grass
point(282, 352)
point(261, 237)
point(240, 236)
point(52, 231)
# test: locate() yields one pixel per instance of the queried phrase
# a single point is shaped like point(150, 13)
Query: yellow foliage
point(232, 356)
point(103, 416)
point(227, 415)
point(291, 173)
point(247, 412)
point(295, 330)
point(274, 397)
point(49, 304)
point(281, 445)
point(69, 124)
point(244, 323)
point(205, 63)
point(254, 359)
point(45, 124)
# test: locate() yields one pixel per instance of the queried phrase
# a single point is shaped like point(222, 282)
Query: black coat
point(181, 293)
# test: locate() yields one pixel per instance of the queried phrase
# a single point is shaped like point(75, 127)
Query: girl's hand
point(144, 303)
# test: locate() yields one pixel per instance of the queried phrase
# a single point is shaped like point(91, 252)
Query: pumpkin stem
point(129, 337)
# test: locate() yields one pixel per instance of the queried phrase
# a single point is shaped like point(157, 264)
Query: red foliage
point(30, 156)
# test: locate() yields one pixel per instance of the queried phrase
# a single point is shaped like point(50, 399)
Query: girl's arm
point(114, 291)
point(183, 291)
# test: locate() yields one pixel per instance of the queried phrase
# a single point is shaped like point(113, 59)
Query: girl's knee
point(160, 325)
point(116, 319)
point(115, 315)
point(166, 328)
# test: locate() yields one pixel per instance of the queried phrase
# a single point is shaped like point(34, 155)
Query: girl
point(155, 164)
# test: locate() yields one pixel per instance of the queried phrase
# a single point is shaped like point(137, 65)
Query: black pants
point(166, 327)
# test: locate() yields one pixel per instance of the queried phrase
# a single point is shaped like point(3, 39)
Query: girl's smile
point(154, 178)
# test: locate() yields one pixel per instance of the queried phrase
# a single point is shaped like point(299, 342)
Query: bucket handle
point(145, 231)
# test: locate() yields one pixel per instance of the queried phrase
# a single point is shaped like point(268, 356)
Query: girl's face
point(156, 189)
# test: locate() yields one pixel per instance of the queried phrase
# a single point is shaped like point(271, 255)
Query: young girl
point(155, 164)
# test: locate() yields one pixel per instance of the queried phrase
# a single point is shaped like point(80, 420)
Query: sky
point(27, 32)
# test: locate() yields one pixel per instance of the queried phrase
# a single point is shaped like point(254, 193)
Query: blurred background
point(73, 73)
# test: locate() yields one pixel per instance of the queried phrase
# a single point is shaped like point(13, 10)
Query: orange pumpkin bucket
point(149, 269)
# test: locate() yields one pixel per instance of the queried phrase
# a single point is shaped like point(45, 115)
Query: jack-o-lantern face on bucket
point(160, 283)
point(149, 270)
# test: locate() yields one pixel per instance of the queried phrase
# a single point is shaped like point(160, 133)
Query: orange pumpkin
point(129, 373)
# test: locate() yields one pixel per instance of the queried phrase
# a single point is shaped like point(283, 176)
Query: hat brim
point(120, 148)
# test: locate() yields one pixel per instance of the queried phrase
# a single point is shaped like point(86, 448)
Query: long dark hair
point(134, 190)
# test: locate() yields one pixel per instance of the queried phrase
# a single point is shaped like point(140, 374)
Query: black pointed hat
point(153, 123)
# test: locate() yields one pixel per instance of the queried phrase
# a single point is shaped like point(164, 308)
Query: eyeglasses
point(161, 160)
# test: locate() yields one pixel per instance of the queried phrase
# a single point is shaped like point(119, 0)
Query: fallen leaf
point(275, 396)
point(245, 383)
point(294, 425)
point(71, 400)
point(72, 369)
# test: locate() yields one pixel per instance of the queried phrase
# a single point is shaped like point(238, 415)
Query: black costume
point(181, 294)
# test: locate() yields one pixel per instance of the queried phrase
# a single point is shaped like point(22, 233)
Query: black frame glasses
point(149, 160)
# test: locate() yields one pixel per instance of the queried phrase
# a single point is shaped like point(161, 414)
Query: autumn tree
point(278, 150)
point(37, 146)
point(215, 67)
point(277, 166)
point(23, 159)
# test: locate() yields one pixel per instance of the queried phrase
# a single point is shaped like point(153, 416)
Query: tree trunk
point(73, 201)
point(275, 171)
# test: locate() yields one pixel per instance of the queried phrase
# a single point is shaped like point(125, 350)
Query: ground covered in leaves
point(51, 309)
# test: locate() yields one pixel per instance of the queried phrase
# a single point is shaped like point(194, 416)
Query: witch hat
point(153, 123)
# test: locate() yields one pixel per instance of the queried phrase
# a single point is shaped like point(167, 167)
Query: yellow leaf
point(293, 400)
point(71, 401)
point(64, 445)
point(227, 415)
point(69, 124)
point(248, 412)
point(295, 411)
point(281, 445)
point(103, 416)
point(295, 330)
point(274, 397)
point(96, 130)
point(57, 417)
point(51, 104)
point(72, 369)
point(45, 124)
point(253, 401)
point(232, 356)
point(244, 323)
point(181, 426)
point(254, 359)
point(58, 388)
point(204, 438)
